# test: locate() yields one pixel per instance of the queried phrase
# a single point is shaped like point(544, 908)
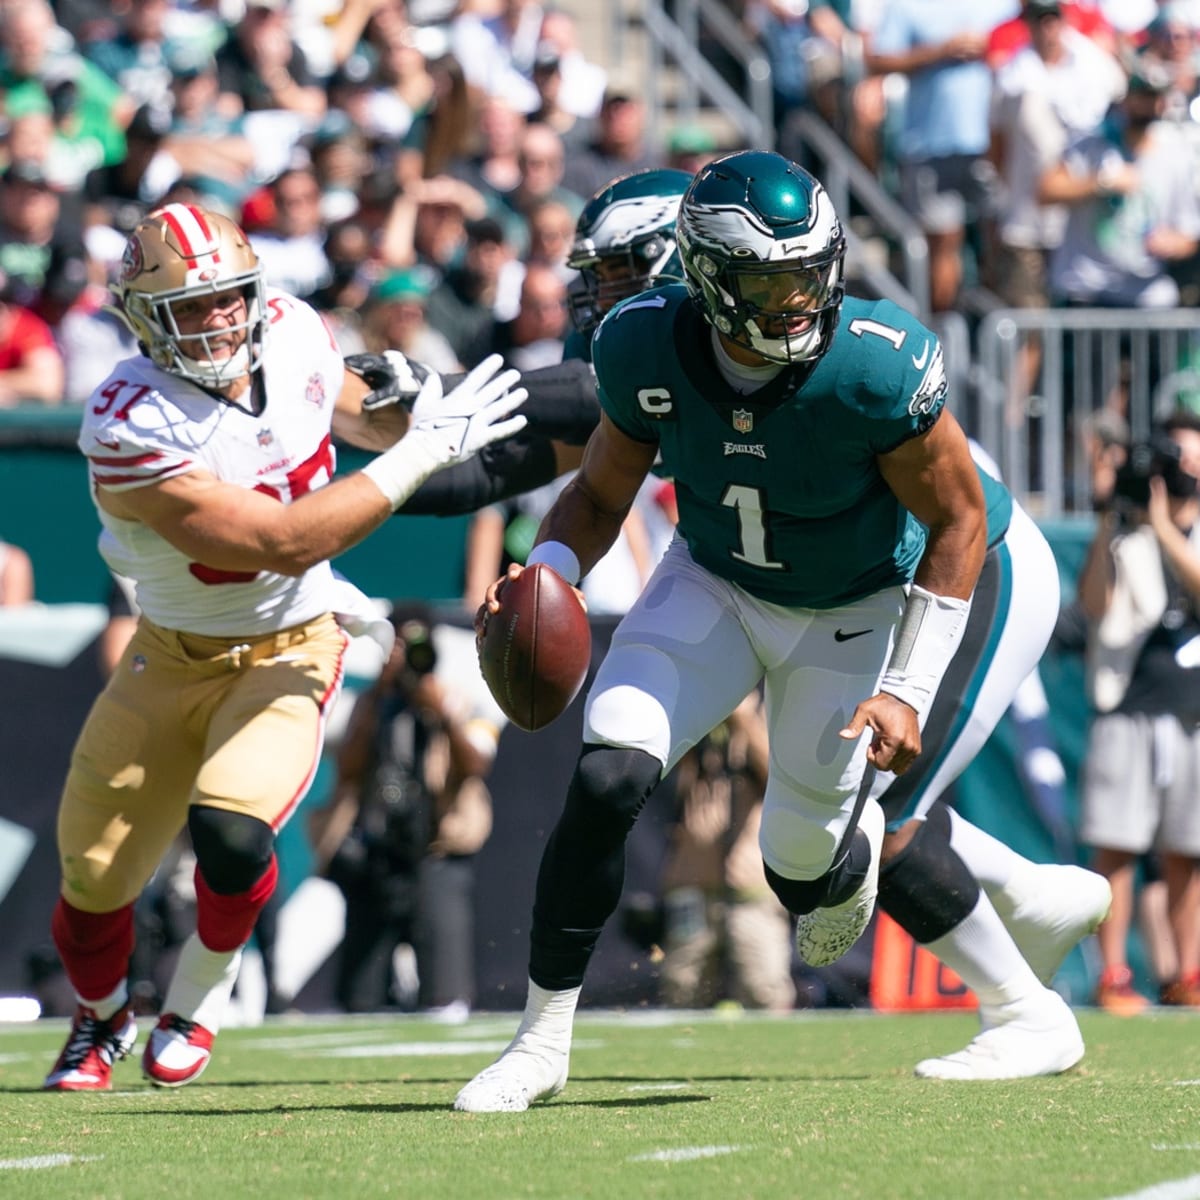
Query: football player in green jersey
point(833, 530)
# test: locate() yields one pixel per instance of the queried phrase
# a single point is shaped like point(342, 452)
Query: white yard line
point(685, 1153)
point(1172, 1189)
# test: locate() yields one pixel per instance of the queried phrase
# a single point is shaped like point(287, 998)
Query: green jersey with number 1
point(779, 490)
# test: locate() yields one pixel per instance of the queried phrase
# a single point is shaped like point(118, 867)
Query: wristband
point(558, 556)
point(928, 636)
point(398, 472)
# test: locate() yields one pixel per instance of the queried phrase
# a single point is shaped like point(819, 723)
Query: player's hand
point(474, 414)
point(392, 377)
point(896, 735)
point(491, 600)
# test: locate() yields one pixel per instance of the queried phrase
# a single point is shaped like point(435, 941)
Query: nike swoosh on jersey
point(839, 636)
point(920, 362)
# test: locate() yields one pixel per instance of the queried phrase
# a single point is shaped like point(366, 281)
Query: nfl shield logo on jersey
point(265, 437)
point(743, 420)
point(314, 391)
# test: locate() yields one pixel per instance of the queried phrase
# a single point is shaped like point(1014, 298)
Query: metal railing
point(1049, 383)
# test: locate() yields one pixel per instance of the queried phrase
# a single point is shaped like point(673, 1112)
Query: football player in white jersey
point(211, 465)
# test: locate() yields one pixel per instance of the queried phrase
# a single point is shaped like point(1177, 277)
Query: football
point(535, 651)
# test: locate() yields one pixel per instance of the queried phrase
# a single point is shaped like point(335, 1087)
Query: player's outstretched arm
point(232, 528)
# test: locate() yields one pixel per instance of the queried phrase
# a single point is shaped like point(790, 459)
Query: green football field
point(659, 1104)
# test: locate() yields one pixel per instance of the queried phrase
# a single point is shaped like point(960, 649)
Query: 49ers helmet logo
point(132, 261)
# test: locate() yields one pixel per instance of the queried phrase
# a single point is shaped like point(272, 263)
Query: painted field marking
point(1172, 1189)
point(41, 1161)
point(686, 1153)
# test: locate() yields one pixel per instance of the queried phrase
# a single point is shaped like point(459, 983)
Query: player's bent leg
point(1027, 1029)
point(578, 888)
point(835, 910)
point(1048, 908)
point(236, 873)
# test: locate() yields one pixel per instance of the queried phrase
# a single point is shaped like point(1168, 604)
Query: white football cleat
point(1018, 1041)
point(535, 1064)
point(1048, 908)
point(825, 934)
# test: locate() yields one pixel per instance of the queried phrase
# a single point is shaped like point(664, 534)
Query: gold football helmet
point(181, 251)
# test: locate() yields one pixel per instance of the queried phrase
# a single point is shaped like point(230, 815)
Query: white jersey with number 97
point(143, 425)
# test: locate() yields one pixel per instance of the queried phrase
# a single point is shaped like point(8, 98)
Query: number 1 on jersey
point(752, 530)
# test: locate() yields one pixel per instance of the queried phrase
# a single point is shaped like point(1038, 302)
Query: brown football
point(535, 651)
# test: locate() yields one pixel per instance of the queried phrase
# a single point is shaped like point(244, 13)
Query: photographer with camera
point(410, 811)
point(1140, 590)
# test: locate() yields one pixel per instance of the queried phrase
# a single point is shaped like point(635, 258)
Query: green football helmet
point(763, 252)
point(625, 242)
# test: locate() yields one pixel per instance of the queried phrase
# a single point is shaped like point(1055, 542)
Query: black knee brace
point(232, 849)
point(927, 889)
point(840, 882)
point(612, 783)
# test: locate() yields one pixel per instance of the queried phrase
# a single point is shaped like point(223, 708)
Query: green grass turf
point(659, 1105)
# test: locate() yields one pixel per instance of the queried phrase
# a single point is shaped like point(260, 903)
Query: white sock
point(202, 983)
point(549, 1016)
point(986, 958)
point(988, 858)
point(105, 1007)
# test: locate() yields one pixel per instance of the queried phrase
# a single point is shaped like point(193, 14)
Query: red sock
point(94, 947)
point(225, 922)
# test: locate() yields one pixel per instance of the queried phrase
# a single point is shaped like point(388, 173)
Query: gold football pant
point(237, 724)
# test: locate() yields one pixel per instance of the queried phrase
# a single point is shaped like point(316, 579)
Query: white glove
point(449, 429)
point(472, 415)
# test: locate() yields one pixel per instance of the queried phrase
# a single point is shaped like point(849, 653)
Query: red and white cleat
point(93, 1045)
point(178, 1050)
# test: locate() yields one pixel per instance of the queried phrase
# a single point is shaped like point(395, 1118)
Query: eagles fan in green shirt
point(833, 530)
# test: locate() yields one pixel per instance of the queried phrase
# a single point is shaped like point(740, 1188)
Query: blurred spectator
point(410, 811)
point(121, 194)
point(39, 68)
point(292, 248)
point(581, 83)
point(725, 935)
point(497, 52)
point(805, 65)
point(551, 232)
point(946, 181)
point(207, 143)
point(1140, 589)
point(340, 160)
point(534, 337)
point(33, 136)
point(31, 367)
point(575, 130)
point(34, 232)
point(260, 68)
point(541, 165)
point(1056, 88)
point(136, 56)
point(90, 334)
point(1133, 211)
point(395, 319)
point(1013, 35)
point(351, 255)
point(474, 293)
point(428, 223)
point(1171, 38)
point(16, 576)
point(495, 169)
point(442, 132)
point(403, 87)
point(619, 146)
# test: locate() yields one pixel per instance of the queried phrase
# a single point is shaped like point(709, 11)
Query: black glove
point(392, 377)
